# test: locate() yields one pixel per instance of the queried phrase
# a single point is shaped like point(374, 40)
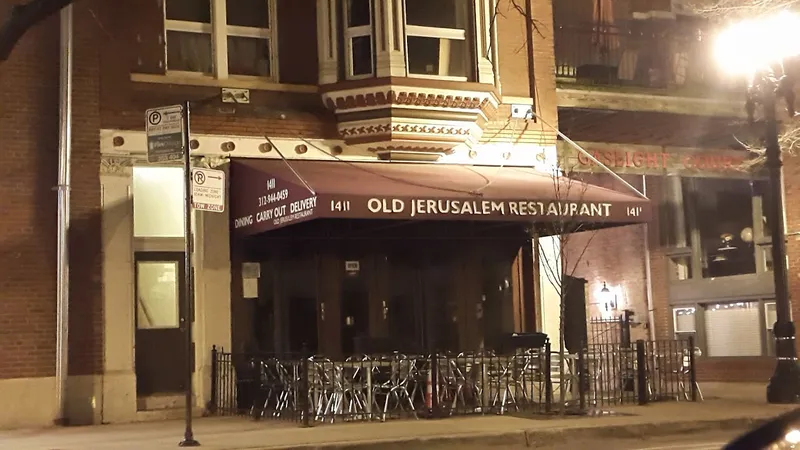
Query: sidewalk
point(238, 433)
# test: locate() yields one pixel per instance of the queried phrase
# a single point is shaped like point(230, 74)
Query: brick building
point(348, 84)
point(638, 90)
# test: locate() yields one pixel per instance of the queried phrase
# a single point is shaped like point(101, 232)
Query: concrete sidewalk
point(238, 433)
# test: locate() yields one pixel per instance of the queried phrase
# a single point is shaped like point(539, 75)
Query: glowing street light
point(756, 49)
point(750, 46)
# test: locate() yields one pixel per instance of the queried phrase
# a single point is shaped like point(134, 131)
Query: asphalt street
point(705, 441)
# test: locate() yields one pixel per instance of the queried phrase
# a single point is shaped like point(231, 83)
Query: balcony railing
point(637, 56)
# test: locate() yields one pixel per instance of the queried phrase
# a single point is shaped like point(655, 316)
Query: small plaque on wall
point(352, 266)
point(251, 270)
point(250, 287)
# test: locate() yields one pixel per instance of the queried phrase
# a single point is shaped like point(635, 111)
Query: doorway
point(355, 308)
point(423, 311)
point(160, 355)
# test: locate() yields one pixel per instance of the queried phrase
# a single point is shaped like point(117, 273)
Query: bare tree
point(561, 257)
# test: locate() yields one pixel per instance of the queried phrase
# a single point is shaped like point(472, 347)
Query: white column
point(390, 43)
point(119, 380)
point(484, 15)
point(212, 294)
point(327, 38)
point(550, 287)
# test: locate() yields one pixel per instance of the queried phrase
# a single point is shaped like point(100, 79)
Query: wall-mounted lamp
point(608, 298)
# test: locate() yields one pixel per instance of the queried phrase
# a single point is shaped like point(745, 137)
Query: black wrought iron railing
point(643, 57)
point(637, 373)
point(313, 390)
point(379, 387)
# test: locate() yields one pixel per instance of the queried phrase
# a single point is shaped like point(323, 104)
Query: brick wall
point(744, 369)
point(104, 97)
point(613, 256)
point(29, 141)
point(86, 301)
point(792, 198)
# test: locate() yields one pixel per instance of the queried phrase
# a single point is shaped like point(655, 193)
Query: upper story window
point(437, 36)
point(221, 38)
point(358, 38)
point(718, 230)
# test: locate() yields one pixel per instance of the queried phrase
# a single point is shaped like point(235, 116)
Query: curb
point(534, 438)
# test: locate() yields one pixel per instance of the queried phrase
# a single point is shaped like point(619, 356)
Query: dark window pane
point(424, 56)
point(189, 10)
point(438, 13)
point(358, 13)
point(248, 13)
point(248, 56)
point(189, 52)
point(362, 55)
point(723, 212)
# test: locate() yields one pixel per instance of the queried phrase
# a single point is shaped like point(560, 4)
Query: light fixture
point(608, 298)
point(726, 241)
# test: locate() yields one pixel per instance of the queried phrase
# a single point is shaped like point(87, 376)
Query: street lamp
point(756, 49)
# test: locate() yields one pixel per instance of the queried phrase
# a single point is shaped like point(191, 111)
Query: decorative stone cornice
point(426, 115)
point(116, 165)
point(372, 97)
point(212, 162)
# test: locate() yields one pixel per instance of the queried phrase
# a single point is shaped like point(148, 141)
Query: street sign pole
point(188, 436)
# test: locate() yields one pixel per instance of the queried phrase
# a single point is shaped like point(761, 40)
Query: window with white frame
point(358, 38)
point(437, 38)
point(221, 38)
point(684, 322)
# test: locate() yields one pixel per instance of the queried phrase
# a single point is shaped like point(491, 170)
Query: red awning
point(266, 194)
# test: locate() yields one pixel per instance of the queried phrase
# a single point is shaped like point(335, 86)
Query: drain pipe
point(62, 259)
point(648, 272)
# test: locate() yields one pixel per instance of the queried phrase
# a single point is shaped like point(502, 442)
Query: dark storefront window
point(298, 287)
point(720, 221)
point(422, 308)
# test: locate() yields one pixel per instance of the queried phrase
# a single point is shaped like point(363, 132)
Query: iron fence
point(614, 330)
point(648, 371)
point(626, 55)
point(315, 389)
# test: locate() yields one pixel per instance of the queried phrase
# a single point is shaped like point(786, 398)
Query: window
point(770, 317)
point(220, 38)
point(720, 221)
point(157, 295)
point(436, 36)
point(158, 202)
point(439, 37)
point(358, 38)
point(733, 329)
point(684, 322)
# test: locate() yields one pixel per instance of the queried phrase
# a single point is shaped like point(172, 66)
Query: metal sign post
point(188, 435)
point(168, 140)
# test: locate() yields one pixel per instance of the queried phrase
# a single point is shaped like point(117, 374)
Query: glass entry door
point(160, 323)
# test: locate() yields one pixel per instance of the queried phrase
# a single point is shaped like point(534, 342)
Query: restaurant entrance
point(361, 258)
point(410, 290)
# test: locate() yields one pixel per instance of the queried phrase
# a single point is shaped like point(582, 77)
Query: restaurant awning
point(266, 194)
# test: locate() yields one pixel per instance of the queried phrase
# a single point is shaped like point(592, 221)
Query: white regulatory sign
point(208, 190)
point(165, 134)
